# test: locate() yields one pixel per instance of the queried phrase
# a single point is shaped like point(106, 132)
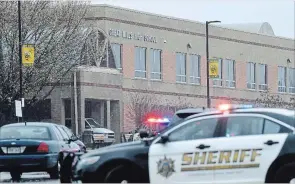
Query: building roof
point(259, 28)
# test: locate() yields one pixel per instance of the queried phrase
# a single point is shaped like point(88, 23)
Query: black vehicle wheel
point(15, 175)
point(55, 171)
point(121, 174)
point(285, 174)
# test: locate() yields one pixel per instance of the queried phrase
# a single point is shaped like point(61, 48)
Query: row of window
point(257, 76)
point(234, 126)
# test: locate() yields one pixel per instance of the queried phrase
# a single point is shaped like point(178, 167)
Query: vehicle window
point(200, 129)
point(25, 132)
point(271, 127)
point(58, 134)
point(68, 131)
point(92, 123)
point(63, 133)
point(239, 126)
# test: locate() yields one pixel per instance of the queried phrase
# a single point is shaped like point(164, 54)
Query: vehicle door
point(65, 139)
point(187, 156)
point(250, 144)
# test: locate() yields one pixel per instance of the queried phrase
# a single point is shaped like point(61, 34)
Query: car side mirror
point(143, 134)
point(164, 139)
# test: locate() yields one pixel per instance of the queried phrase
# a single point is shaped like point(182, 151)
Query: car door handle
point(270, 142)
point(202, 146)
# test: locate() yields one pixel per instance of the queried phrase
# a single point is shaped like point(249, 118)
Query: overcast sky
point(279, 13)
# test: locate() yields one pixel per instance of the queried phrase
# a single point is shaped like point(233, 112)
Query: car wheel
point(54, 172)
point(120, 174)
point(15, 176)
point(285, 174)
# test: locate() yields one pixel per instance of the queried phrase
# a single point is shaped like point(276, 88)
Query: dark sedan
point(33, 147)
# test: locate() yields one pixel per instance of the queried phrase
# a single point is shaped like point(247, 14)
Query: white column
point(108, 114)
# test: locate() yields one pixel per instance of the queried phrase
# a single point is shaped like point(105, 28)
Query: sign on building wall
point(132, 36)
point(213, 68)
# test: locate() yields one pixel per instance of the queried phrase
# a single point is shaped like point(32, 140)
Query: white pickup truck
point(101, 135)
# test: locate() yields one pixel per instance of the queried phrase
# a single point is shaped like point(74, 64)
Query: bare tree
point(57, 30)
point(139, 104)
point(267, 99)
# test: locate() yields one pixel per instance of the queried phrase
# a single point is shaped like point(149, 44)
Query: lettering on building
point(216, 160)
point(132, 36)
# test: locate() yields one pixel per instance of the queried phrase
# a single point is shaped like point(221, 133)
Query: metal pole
point(20, 51)
point(207, 59)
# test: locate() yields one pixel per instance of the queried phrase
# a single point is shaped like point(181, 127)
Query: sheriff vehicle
point(236, 144)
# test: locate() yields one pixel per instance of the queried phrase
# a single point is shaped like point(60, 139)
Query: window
point(282, 79)
point(230, 73)
point(200, 129)
point(194, 69)
point(262, 71)
point(117, 55)
point(140, 62)
point(251, 75)
point(218, 81)
point(271, 127)
point(239, 126)
point(291, 79)
point(156, 63)
point(63, 133)
point(180, 67)
point(25, 132)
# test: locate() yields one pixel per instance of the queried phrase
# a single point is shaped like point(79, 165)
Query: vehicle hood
point(115, 147)
point(102, 130)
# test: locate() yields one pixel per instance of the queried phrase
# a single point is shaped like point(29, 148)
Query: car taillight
point(43, 148)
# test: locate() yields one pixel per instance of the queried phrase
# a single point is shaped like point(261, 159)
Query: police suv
point(236, 144)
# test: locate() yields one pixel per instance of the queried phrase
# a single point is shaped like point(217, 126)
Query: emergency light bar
point(158, 120)
point(226, 107)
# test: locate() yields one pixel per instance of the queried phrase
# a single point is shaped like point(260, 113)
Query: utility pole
point(20, 50)
point(207, 56)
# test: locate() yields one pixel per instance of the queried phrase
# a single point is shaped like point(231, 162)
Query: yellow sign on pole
point(213, 68)
point(28, 55)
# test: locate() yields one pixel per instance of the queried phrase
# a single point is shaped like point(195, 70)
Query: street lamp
point(207, 56)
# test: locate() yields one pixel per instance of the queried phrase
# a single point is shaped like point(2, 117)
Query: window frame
point(263, 87)
point(152, 62)
point(291, 89)
point(145, 64)
point(282, 89)
point(228, 82)
point(121, 67)
point(264, 117)
point(182, 76)
point(251, 85)
point(196, 80)
point(62, 132)
point(219, 81)
point(216, 133)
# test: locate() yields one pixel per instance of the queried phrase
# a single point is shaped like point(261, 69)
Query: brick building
point(166, 57)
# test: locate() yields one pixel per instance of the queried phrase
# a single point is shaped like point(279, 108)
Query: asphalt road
point(29, 177)
point(34, 177)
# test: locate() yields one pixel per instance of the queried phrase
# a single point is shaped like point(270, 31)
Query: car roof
point(45, 124)
point(190, 110)
point(285, 115)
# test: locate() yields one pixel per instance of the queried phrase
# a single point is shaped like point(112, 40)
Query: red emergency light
point(158, 120)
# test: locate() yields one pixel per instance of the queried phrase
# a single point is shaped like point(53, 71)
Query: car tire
point(285, 174)
point(55, 171)
point(121, 174)
point(83, 149)
point(15, 175)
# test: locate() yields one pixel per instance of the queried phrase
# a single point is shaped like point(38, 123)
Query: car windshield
point(24, 132)
point(92, 123)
